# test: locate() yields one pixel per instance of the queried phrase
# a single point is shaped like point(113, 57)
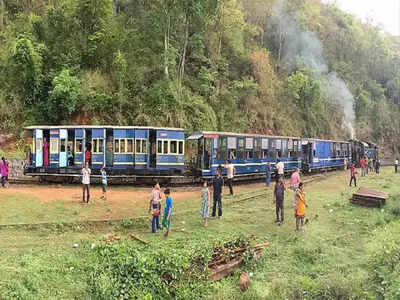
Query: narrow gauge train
point(363, 149)
point(155, 153)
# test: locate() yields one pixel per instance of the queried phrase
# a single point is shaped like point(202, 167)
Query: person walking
point(353, 174)
point(86, 182)
point(396, 165)
point(155, 207)
point(104, 183)
point(267, 174)
point(280, 168)
point(279, 193)
point(4, 172)
point(166, 221)
point(205, 203)
point(230, 172)
point(362, 164)
point(218, 183)
point(300, 210)
point(294, 184)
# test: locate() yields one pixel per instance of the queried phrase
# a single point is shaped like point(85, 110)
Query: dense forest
point(298, 67)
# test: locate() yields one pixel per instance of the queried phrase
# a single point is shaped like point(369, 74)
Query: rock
point(244, 281)
point(75, 246)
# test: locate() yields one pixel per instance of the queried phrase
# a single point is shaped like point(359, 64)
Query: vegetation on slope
point(205, 64)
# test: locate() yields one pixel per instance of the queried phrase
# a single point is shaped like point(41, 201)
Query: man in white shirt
point(86, 182)
point(230, 172)
point(280, 167)
point(396, 165)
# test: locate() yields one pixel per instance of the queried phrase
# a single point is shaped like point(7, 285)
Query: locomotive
point(155, 153)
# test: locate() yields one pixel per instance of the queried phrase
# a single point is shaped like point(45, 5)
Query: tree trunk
point(184, 50)
point(166, 44)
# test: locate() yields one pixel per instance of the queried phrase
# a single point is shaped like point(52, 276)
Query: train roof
point(200, 134)
point(98, 127)
point(322, 140)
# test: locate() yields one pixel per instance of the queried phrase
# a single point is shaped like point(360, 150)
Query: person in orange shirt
point(300, 210)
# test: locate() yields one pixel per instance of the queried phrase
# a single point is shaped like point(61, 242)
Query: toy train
point(135, 152)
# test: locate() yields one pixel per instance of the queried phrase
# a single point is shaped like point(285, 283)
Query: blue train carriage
point(324, 154)
point(125, 150)
point(248, 152)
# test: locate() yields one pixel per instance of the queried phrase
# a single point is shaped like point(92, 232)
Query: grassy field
point(345, 252)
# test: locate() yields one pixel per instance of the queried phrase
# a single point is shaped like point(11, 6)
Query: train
point(156, 152)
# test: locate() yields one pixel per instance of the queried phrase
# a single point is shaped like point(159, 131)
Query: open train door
point(307, 152)
point(39, 147)
point(63, 148)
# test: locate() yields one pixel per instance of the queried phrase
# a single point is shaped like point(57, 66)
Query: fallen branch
point(138, 238)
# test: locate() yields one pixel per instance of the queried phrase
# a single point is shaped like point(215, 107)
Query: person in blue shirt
point(166, 221)
point(104, 183)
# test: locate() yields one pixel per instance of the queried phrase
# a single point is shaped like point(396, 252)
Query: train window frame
point(232, 147)
point(264, 148)
point(78, 142)
point(290, 147)
point(96, 146)
point(181, 147)
point(241, 152)
point(54, 146)
point(249, 148)
point(165, 149)
point(272, 149)
point(257, 148)
point(159, 147)
point(222, 149)
point(116, 146)
point(170, 143)
point(132, 142)
point(142, 143)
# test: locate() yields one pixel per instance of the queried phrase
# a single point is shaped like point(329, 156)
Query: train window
point(257, 149)
point(116, 145)
point(78, 145)
point(165, 147)
point(122, 146)
point(94, 145)
point(290, 148)
point(180, 147)
point(53, 146)
point(272, 149)
point(240, 153)
point(293, 151)
point(63, 144)
point(173, 147)
point(129, 145)
point(159, 147)
point(97, 145)
point(39, 145)
point(222, 148)
point(144, 146)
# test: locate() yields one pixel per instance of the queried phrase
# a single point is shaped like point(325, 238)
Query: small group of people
point(86, 172)
point(4, 165)
point(155, 209)
point(366, 165)
point(299, 202)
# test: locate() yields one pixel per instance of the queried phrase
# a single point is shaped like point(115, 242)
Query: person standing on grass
point(369, 164)
point(353, 174)
point(362, 164)
point(267, 174)
point(279, 193)
point(300, 210)
point(205, 203)
point(218, 184)
point(294, 183)
point(166, 221)
point(104, 183)
point(4, 172)
point(230, 172)
point(86, 182)
point(155, 207)
point(280, 168)
point(377, 165)
point(396, 165)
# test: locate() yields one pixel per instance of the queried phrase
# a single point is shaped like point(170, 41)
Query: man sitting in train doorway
point(230, 172)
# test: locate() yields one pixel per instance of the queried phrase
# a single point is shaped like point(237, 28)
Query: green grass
point(334, 258)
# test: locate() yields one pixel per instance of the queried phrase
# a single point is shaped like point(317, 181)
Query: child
point(104, 183)
point(166, 222)
point(155, 208)
point(300, 210)
point(205, 203)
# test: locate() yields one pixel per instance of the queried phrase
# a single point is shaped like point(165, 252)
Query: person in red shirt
point(362, 164)
point(353, 174)
point(88, 155)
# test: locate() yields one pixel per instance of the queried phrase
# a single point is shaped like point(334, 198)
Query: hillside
point(296, 67)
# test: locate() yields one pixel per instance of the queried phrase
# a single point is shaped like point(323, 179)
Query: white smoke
point(299, 47)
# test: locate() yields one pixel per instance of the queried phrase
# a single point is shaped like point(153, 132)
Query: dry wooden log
point(137, 238)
